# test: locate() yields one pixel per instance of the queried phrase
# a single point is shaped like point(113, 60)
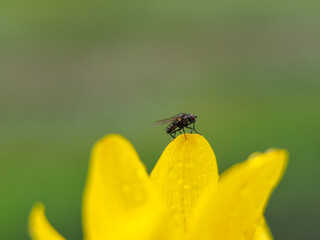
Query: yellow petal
point(186, 167)
point(120, 201)
point(243, 191)
point(39, 227)
point(262, 231)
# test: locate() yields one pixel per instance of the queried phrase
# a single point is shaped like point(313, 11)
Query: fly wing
point(163, 121)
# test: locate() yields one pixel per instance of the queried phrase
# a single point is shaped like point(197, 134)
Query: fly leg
point(173, 136)
point(184, 133)
point(173, 133)
point(179, 130)
point(194, 128)
point(190, 128)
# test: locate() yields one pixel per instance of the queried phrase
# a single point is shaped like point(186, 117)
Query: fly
point(178, 123)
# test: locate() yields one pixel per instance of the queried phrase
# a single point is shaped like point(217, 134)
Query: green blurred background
point(71, 72)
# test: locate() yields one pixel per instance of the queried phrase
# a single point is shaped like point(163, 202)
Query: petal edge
point(233, 210)
point(262, 231)
point(39, 226)
point(119, 200)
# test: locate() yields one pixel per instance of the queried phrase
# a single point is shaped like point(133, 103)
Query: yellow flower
point(183, 198)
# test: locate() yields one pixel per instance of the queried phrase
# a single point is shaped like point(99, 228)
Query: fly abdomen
point(171, 127)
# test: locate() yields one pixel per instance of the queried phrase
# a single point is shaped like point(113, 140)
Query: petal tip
point(272, 160)
point(38, 208)
point(113, 139)
point(39, 227)
point(280, 156)
point(188, 138)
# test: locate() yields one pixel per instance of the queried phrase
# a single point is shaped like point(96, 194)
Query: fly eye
point(193, 117)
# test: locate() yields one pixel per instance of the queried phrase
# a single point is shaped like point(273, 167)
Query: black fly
point(178, 123)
